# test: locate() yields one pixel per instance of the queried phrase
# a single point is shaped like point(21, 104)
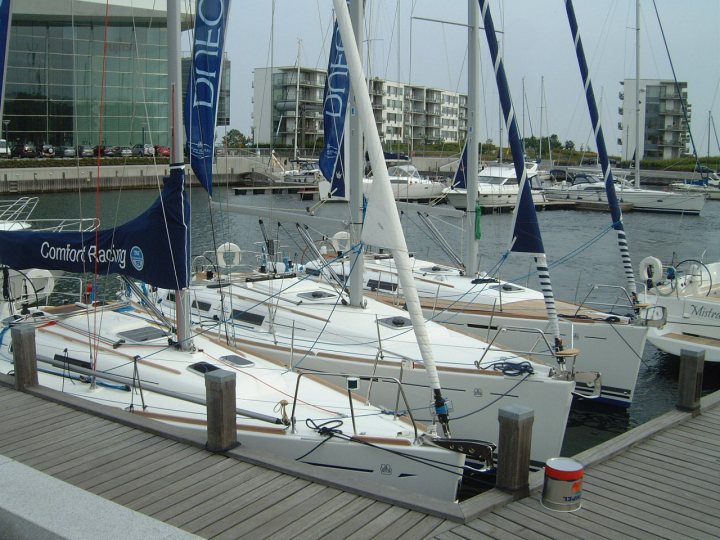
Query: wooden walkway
point(664, 486)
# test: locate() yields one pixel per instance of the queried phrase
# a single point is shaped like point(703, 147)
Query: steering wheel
point(705, 268)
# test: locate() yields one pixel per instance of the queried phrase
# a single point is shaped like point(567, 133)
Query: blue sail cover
point(152, 247)
point(460, 179)
point(204, 86)
point(335, 99)
point(4, 39)
point(526, 236)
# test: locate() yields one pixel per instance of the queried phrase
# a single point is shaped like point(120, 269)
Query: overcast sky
point(536, 41)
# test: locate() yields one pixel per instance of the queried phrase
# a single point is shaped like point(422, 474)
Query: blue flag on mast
point(335, 99)
point(204, 86)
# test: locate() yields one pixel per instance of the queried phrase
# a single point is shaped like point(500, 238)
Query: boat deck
point(656, 481)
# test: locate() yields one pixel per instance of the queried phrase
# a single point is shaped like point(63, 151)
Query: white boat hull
point(386, 452)
point(607, 344)
point(641, 199)
point(325, 335)
point(691, 305)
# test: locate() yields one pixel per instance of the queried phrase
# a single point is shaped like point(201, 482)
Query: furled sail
point(382, 223)
point(335, 99)
point(153, 247)
point(615, 210)
point(204, 86)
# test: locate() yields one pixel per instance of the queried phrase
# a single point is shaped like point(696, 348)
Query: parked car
point(67, 152)
point(163, 151)
point(85, 151)
point(123, 151)
point(24, 150)
point(143, 150)
point(47, 150)
point(104, 151)
point(4, 149)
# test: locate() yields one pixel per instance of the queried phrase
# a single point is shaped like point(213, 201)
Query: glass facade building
point(70, 81)
point(67, 85)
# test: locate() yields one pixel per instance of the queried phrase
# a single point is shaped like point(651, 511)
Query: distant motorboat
point(589, 187)
point(497, 186)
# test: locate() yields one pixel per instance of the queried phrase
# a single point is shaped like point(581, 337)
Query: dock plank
point(657, 482)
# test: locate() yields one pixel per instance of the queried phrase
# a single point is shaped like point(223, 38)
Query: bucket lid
point(563, 469)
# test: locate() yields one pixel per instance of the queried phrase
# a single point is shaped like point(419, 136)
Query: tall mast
point(471, 247)
point(637, 93)
point(356, 161)
point(297, 102)
point(382, 222)
point(526, 237)
point(615, 210)
point(177, 161)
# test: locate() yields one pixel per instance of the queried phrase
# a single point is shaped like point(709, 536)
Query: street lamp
point(143, 134)
point(5, 123)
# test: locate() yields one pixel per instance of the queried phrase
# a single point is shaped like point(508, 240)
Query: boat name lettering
point(702, 311)
point(338, 74)
point(211, 13)
point(62, 253)
point(89, 254)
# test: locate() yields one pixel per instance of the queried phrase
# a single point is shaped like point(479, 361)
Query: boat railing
point(17, 210)
point(134, 385)
point(352, 383)
point(548, 351)
point(622, 300)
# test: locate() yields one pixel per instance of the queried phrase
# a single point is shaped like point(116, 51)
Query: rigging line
point(95, 347)
point(677, 85)
point(396, 23)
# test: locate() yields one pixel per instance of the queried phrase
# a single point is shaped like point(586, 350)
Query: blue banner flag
point(204, 86)
point(337, 89)
point(153, 247)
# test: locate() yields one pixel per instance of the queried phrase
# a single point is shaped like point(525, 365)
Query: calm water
point(579, 238)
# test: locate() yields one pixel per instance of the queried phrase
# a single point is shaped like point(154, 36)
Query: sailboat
point(678, 311)
point(319, 328)
point(683, 298)
point(497, 185)
point(510, 315)
point(154, 369)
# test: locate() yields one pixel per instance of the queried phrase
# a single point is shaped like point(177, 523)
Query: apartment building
point(289, 106)
point(664, 132)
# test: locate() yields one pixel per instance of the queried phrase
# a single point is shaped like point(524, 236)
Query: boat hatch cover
point(317, 295)
point(396, 322)
point(202, 367)
point(237, 360)
point(142, 334)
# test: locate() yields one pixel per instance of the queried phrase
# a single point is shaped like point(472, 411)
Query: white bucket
point(562, 489)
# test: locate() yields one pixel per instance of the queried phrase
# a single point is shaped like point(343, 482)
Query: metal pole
point(473, 159)
point(638, 155)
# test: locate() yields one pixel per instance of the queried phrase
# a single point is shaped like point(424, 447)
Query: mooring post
point(24, 356)
point(690, 380)
point(220, 398)
point(514, 441)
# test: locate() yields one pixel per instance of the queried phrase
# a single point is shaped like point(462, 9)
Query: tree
point(569, 145)
point(555, 141)
point(235, 139)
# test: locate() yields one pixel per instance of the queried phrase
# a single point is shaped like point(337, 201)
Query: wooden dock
point(657, 481)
